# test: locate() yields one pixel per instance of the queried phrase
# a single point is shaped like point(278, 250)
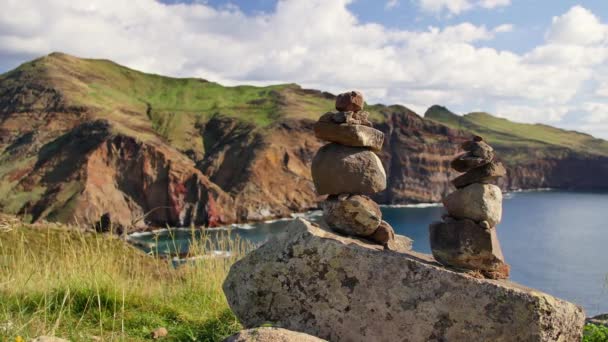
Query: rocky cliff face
point(72, 150)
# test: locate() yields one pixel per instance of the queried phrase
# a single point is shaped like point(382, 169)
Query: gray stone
point(340, 169)
point(464, 244)
point(478, 148)
point(340, 288)
point(350, 135)
point(351, 101)
point(487, 173)
point(478, 202)
point(271, 334)
point(354, 215)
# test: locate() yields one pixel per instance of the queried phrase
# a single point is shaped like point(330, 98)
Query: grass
point(63, 282)
point(141, 103)
point(518, 138)
point(595, 333)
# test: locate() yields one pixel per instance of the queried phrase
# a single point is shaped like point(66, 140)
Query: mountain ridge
point(84, 138)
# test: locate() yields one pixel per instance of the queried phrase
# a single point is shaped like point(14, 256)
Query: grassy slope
point(75, 285)
point(507, 134)
point(137, 101)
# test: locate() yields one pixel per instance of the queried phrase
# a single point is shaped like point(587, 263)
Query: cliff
point(82, 139)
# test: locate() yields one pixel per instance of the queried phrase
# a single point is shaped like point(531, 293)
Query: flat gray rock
point(350, 135)
point(343, 289)
point(271, 334)
point(487, 173)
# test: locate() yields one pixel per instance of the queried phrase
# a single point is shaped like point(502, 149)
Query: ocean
point(555, 241)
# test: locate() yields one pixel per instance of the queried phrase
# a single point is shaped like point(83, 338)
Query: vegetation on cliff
point(57, 281)
point(510, 136)
point(82, 138)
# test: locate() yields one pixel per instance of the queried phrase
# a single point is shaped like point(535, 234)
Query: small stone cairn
point(466, 238)
point(348, 170)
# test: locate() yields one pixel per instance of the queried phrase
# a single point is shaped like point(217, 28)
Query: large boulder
point(478, 202)
point(465, 244)
point(350, 135)
point(343, 289)
point(271, 334)
point(338, 169)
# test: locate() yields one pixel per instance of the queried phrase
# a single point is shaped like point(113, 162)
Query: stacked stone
point(466, 238)
point(348, 170)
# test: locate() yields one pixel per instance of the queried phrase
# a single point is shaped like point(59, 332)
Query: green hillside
point(507, 134)
point(134, 100)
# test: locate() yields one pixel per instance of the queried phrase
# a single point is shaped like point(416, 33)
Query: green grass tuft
point(75, 285)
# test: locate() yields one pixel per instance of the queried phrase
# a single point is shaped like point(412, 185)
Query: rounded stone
point(338, 169)
point(383, 234)
point(351, 101)
point(478, 202)
point(355, 215)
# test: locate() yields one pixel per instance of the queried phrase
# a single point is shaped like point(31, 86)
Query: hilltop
point(509, 135)
point(82, 139)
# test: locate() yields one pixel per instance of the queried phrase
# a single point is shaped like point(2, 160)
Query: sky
point(535, 61)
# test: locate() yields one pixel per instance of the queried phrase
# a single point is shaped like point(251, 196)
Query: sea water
point(555, 241)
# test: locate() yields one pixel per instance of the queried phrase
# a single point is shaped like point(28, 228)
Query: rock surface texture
point(269, 334)
point(342, 288)
point(467, 236)
point(478, 202)
point(340, 169)
point(347, 167)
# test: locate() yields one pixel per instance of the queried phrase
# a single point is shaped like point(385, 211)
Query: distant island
point(90, 141)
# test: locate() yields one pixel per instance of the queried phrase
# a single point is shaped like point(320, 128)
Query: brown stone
point(159, 333)
point(351, 101)
point(351, 118)
point(338, 169)
point(383, 234)
point(484, 174)
point(467, 161)
point(478, 149)
point(464, 244)
point(350, 135)
point(354, 215)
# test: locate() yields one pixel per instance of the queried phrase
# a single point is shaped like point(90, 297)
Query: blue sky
point(538, 61)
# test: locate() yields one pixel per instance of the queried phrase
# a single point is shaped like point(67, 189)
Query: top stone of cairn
point(351, 101)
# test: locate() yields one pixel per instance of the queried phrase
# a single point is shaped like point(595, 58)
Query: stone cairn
point(466, 238)
point(347, 170)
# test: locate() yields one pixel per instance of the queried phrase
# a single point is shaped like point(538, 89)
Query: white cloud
point(332, 51)
point(455, 7)
point(390, 4)
point(494, 3)
point(504, 28)
point(578, 26)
